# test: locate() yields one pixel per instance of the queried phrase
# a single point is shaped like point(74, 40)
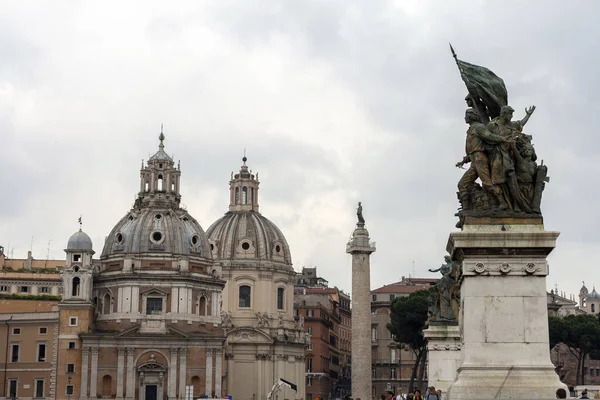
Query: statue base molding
point(444, 355)
point(503, 314)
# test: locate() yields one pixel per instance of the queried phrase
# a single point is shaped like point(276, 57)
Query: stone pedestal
point(444, 356)
point(503, 316)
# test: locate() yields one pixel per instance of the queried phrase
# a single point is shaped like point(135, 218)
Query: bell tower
point(243, 190)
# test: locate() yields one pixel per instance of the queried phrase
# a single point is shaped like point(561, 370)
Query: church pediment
point(155, 292)
point(133, 331)
point(248, 335)
point(176, 332)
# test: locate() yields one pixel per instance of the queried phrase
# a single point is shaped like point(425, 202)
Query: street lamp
point(68, 385)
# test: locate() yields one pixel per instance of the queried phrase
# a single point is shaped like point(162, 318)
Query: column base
point(444, 355)
point(505, 383)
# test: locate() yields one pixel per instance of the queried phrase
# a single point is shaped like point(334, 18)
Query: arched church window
point(106, 304)
point(593, 308)
point(280, 297)
point(76, 285)
point(237, 195)
point(160, 182)
point(244, 296)
point(202, 306)
point(244, 195)
point(146, 186)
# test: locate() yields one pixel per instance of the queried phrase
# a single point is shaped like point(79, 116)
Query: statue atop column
point(359, 214)
point(502, 157)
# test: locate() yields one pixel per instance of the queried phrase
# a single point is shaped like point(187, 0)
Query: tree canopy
point(408, 319)
point(581, 334)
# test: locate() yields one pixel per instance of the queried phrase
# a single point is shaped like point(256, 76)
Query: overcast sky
point(335, 102)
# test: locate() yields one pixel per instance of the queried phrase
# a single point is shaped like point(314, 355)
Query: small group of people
point(431, 394)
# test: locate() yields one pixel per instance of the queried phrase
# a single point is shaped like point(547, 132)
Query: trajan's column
point(361, 248)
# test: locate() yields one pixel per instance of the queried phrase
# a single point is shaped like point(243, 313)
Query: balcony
point(385, 361)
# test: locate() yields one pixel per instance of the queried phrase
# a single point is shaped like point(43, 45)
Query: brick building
point(327, 320)
point(391, 364)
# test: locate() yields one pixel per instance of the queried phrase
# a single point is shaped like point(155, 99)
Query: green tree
point(581, 334)
point(408, 319)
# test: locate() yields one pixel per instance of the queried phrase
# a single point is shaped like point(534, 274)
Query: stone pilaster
point(120, 371)
point(173, 375)
point(503, 314)
point(361, 248)
point(209, 370)
point(84, 373)
point(130, 389)
point(218, 373)
point(182, 371)
point(94, 373)
point(230, 377)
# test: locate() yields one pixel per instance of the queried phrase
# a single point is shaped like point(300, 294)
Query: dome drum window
point(195, 240)
point(157, 237)
point(119, 238)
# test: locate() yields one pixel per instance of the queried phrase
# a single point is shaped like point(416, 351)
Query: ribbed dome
point(157, 230)
point(594, 295)
point(247, 235)
point(79, 241)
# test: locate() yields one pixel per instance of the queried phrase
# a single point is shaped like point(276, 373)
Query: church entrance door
point(151, 392)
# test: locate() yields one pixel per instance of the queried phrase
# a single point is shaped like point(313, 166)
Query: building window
point(41, 351)
point(373, 373)
point(392, 297)
point(373, 334)
point(39, 388)
point(69, 390)
point(309, 365)
point(309, 381)
point(154, 305)
point(70, 368)
point(237, 195)
point(202, 306)
point(280, 296)
point(296, 313)
point(76, 283)
point(4, 288)
point(44, 289)
point(244, 296)
point(244, 195)
point(43, 331)
point(71, 345)
point(310, 330)
point(73, 321)
point(393, 355)
point(309, 346)
point(393, 373)
point(593, 308)
point(374, 297)
point(15, 353)
point(16, 331)
point(12, 388)
point(24, 289)
point(310, 313)
point(76, 257)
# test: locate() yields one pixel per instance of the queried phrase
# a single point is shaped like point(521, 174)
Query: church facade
point(169, 310)
point(265, 341)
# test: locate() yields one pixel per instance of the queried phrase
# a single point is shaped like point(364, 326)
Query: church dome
point(79, 241)
point(248, 235)
point(243, 233)
point(594, 295)
point(157, 223)
point(157, 230)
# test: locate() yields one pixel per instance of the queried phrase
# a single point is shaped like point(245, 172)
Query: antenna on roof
point(413, 274)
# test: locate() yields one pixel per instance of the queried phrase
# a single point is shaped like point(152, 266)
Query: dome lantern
point(243, 189)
